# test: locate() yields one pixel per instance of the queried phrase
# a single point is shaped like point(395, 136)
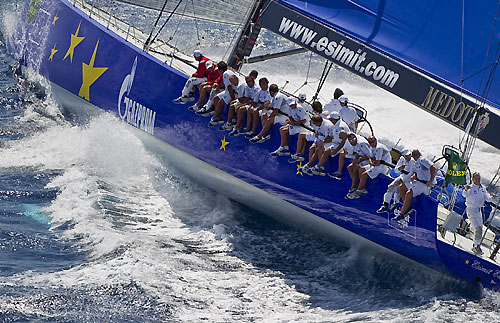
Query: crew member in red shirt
point(213, 77)
point(196, 79)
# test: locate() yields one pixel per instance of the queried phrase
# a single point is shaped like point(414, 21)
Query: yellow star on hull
point(52, 52)
point(89, 75)
point(75, 40)
point(299, 169)
point(224, 143)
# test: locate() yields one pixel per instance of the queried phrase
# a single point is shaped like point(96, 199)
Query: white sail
point(230, 12)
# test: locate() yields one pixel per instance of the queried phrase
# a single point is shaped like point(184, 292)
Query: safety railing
point(129, 32)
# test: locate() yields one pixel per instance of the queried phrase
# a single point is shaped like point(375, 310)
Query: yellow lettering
point(468, 109)
point(455, 173)
point(448, 102)
point(441, 98)
point(460, 105)
point(429, 99)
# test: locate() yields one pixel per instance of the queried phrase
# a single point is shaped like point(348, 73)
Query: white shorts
point(364, 163)
point(330, 145)
point(418, 188)
point(310, 136)
point(349, 152)
point(293, 130)
point(280, 118)
point(374, 171)
point(264, 111)
point(224, 95)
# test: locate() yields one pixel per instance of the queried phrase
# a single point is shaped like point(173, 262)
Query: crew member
point(361, 150)
point(231, 83)
point(405, 167)
point(475, 196)
point(339, 136)
point(294, 123)
point(270, 114)
point(196, 79)
point(348, 114)
point(213, 77)
point(377, 164)
point(421, 182)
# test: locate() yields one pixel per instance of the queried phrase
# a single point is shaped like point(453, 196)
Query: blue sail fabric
point(425, 34)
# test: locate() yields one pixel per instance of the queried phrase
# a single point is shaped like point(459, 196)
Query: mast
point(246, 40)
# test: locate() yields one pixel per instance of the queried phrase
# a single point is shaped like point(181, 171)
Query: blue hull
point(99, 70)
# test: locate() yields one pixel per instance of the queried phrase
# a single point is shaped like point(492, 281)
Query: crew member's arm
point(274, 113)
point(343, 137)
point(433, 171)
point(231, 92)
point(297, 123)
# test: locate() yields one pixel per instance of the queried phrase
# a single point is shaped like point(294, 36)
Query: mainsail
point(231, 12)
point(438, 55)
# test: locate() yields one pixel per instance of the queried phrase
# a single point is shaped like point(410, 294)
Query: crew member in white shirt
point(323, 135)
point(379, 156)
point(475, 197)
point(246, 92)
point(303, 103)
point(339, 135)
point(362, 151)
point(307, 135)
point(296, 119)
point(231, 83)
point(261, 99)
point(348, 114)
point(405, 168)
point(334, 104)
point(422, 181)
point(270, 114)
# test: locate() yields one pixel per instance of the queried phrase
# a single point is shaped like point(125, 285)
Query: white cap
point(209, 64)
point(291, 101)
point(343, 99)
point(302, 96)
point(197, 53)
point(405, 152)
point(334, 115)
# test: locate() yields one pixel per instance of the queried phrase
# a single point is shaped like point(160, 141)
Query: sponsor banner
point(456, 170)
point(379, 69)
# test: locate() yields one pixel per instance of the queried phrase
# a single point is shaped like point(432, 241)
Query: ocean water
point(95, 228)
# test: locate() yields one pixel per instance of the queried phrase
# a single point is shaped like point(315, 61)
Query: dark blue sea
point(95, 228)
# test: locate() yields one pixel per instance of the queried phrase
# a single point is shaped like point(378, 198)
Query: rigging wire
point(324, 75)
point(148, 41)
point(469, 139)
point(166, 21)
point(240, 28)
point(307, 75)
point(196, 24)
point(495, 179)
point(462, 80)
point(178, 25)
point(176, 29)
point(489, 46)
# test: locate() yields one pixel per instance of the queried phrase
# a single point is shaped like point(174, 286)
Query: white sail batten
point(231, 12)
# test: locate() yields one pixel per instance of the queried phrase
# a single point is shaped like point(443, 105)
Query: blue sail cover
point(425, 34)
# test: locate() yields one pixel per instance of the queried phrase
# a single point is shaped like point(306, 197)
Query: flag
point(456, 170)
